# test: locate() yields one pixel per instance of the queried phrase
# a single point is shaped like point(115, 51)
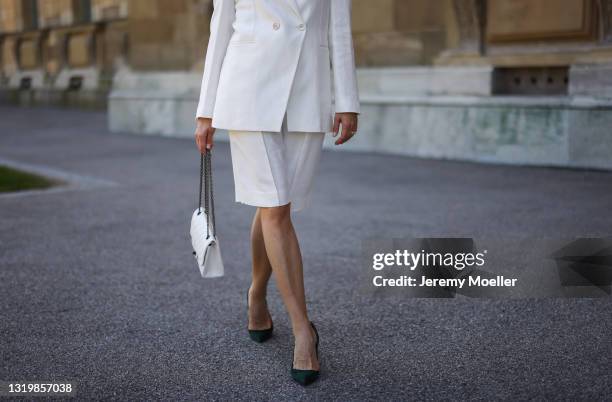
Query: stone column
point(469, 20)
point(470, 16)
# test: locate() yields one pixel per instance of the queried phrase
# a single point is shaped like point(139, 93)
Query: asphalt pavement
point(99, 286)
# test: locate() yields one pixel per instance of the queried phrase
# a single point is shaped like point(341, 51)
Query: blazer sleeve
point(221, 29)
point(343, 57)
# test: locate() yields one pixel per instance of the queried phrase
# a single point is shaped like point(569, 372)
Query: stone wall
point(168, 35)
point(515, 33)
point(11, 19)
point(398, 32)
point(386, 32)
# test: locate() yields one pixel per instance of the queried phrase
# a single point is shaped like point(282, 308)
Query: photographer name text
point(477, 281)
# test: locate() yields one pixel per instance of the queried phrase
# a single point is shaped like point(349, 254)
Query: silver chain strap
point(207, 184)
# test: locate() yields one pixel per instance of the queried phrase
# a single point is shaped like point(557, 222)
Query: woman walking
point(268, 81)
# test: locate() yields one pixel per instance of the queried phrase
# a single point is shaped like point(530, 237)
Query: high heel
point(259, 335)
point(306, 377)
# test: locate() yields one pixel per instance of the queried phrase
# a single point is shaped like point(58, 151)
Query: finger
point(203, 144)
point(346, 134)
point(336, 126)
point(352, 129)
point(198, 142)
point(209, 138)
point(340, 140)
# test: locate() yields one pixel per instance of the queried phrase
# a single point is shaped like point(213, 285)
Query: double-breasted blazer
point(266, 58)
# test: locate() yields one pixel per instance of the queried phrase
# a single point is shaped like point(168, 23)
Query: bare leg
point(259, 316)
point(284, 254)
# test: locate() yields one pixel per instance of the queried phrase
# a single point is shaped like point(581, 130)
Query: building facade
point(508, 81)
point(61, 51)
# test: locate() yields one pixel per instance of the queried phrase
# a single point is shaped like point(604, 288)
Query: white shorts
point(274, 169)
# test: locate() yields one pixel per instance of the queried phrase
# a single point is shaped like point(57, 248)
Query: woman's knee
point(275, 215)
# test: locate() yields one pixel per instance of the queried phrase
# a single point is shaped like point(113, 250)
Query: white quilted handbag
point(203, 236)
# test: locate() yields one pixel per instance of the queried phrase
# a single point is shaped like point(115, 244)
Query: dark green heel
point(306, 377)
point(259, 335)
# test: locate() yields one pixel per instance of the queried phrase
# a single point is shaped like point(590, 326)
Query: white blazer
point(268, 57)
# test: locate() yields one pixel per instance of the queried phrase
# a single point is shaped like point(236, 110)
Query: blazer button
point(276, 26)
point(301, 27)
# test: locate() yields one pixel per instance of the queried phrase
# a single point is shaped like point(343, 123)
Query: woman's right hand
point(204, 134)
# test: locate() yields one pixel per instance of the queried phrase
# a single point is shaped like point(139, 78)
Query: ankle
point(257, 293)
point(302, 330)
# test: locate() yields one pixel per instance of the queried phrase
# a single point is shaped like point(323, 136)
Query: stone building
point(61, 51)
point(508, 81)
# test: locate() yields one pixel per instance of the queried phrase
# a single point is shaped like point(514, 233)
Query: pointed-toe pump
point(306, 377)
point(259, 335)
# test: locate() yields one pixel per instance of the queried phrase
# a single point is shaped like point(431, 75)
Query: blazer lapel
point(294, 6)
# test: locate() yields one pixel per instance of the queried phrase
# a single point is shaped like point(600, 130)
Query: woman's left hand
point(349, 122)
